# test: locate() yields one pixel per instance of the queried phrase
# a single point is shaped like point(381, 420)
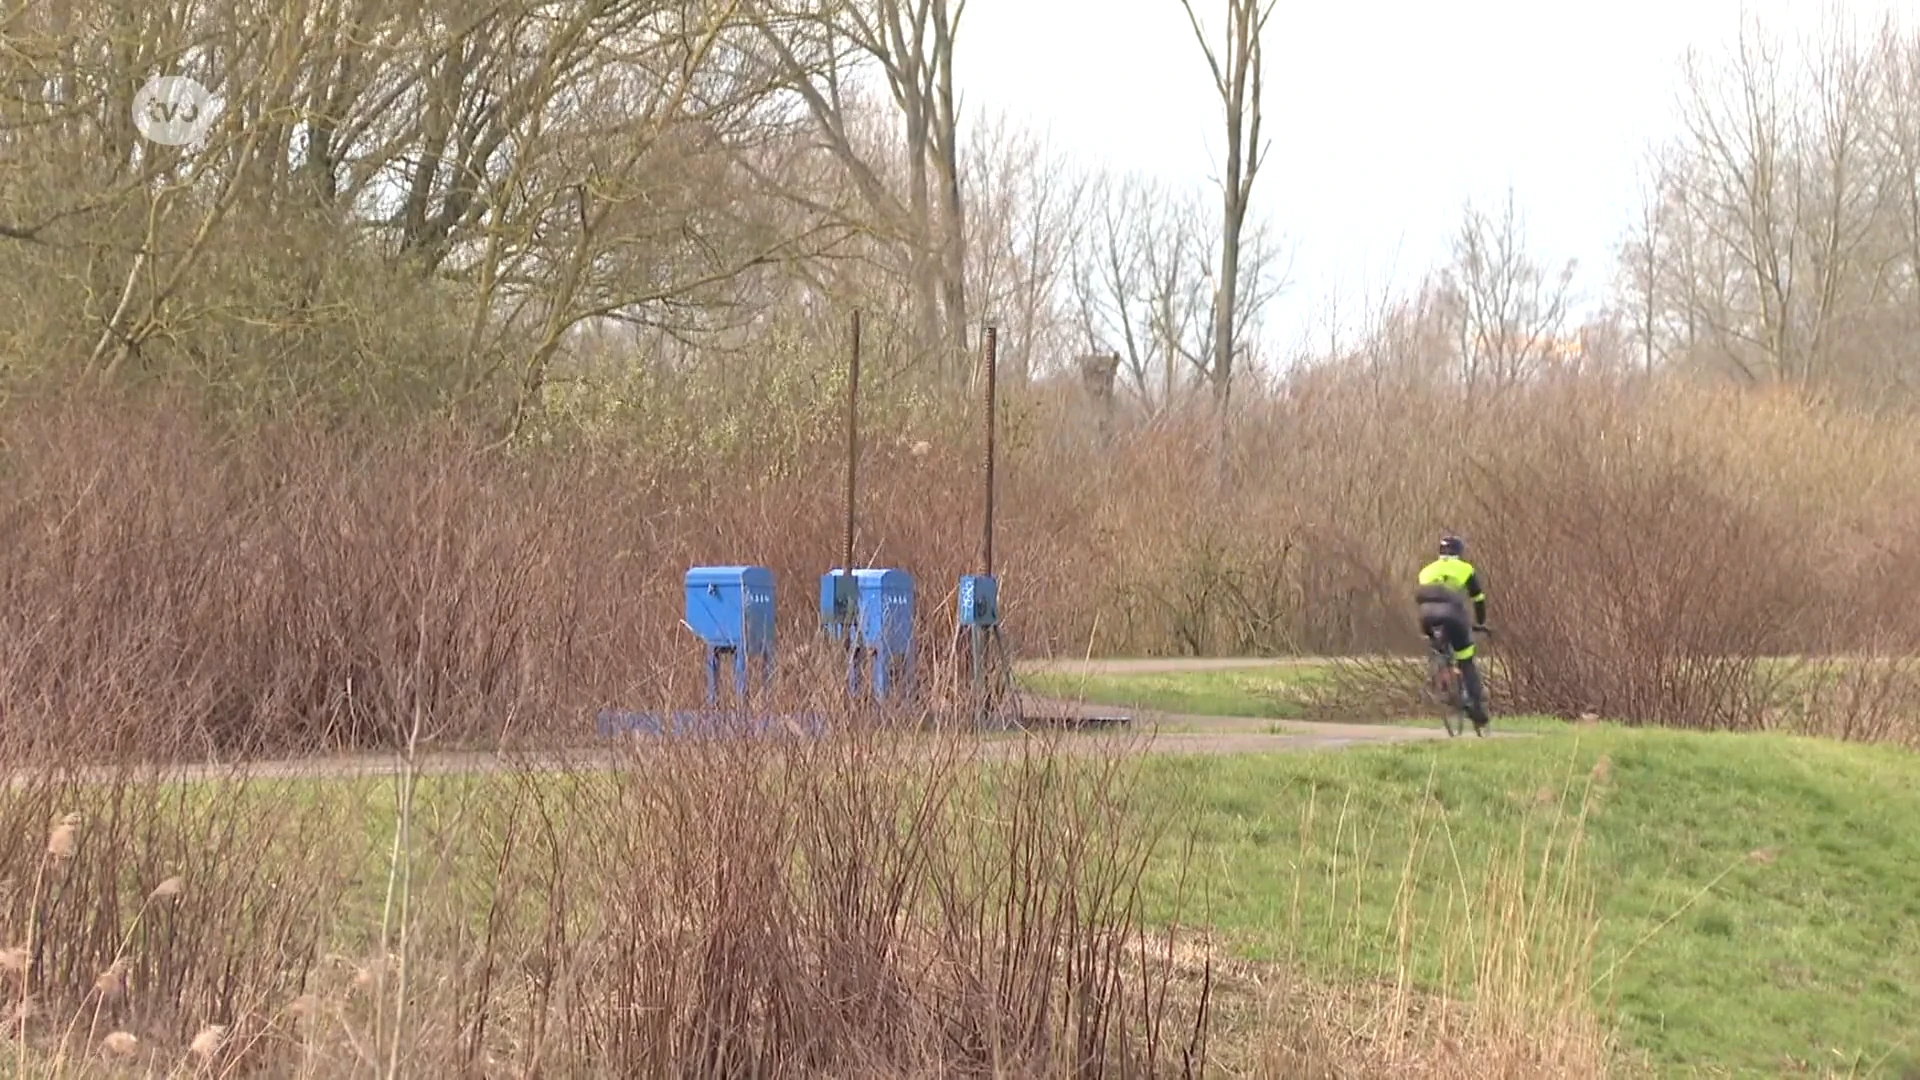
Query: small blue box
point(730, 608)
point(979, 600)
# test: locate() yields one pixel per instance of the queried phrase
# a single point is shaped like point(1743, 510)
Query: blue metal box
point(885, 612)
point(730, 608)
point(979, 600)
point(886, 609)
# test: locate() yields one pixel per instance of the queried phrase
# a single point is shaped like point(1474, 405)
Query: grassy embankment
point(1758, 897)
point(1755, 894)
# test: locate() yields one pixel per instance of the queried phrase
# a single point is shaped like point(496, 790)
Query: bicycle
point(1445, 683)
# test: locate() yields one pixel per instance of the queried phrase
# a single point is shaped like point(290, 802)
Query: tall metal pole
point(987, 524)
point(847, 602)
point(853, 440)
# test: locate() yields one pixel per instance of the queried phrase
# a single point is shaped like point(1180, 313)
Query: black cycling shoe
point(1480, 728)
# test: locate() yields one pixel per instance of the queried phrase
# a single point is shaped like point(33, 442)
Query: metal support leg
point(899, 674)
point(977, 643)
point(1003, 694)
point(907, 672)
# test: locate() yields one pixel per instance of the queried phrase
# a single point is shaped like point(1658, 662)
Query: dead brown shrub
point(874, 902)
point(1665, 558)
point(301, 591)
point(1630, 588)
point(178, 589)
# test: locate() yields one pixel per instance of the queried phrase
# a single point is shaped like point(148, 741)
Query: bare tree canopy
point(1778, 243)
point(911, 42)
point(434, 206)
point(1236, 71)
point(1507, 311)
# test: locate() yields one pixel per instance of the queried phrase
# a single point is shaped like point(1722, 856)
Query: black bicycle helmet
point(1452, 545)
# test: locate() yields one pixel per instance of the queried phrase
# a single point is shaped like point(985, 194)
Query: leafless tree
point(442, 191)
point(821, 45)
point(1144, 284)
point(1025, 220)
point(442, 206)
point(1774, 243)
point(1507, 310)
point(1236, 70)
point(1642, 281)
point(1140, 279)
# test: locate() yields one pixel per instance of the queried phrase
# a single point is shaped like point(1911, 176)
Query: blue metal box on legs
point(886, 624)
point(979, 619)
point(883, 603)
point(730, 608)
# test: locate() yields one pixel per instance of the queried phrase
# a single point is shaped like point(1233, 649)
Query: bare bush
point(180, 588)
point(867, 901)
point(1632, 589)
point(308, 591)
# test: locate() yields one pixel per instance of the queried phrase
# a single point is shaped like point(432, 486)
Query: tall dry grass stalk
point(889, 900)
point(1514, 944)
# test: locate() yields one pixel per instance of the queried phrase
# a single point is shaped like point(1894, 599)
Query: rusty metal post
point(853, 440)
point(846, 601)
point(991, 339)
point(982, 625)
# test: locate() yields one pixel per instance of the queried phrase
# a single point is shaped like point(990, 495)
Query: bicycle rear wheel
point(1444, 679)
point(1455, 715)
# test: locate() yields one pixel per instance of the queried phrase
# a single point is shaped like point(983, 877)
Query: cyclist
point(1447, 585)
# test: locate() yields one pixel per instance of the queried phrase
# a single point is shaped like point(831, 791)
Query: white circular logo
point(173, 110)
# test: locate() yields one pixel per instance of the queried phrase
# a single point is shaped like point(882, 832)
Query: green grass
point(1287, 692)
point(1807, 951)
point(1280, 693)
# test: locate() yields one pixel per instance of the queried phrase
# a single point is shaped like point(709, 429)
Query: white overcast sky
point(1385, 115)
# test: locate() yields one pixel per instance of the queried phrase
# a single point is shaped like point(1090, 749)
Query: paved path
point(1194, 733)
point(1146, 731)
point(1160, 665)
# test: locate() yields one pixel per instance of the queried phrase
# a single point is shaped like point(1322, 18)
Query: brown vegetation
point(856, 906)
point(298, 589)
point(413, 388)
